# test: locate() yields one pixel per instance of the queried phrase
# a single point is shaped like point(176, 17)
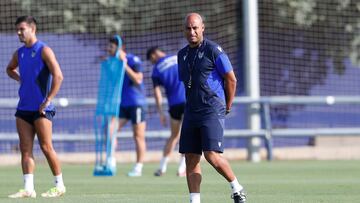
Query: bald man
point(210, 85)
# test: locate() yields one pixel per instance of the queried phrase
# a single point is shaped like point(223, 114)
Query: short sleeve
point(135, 63)
point(223, 64)
point(156, 78)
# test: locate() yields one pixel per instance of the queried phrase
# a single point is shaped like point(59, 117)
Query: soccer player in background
point(40, 78)
point(133, 105)
point(165, 74)
point(210, 85)
point(113, 49)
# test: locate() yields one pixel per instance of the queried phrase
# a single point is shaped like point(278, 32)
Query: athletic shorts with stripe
point(134, 113)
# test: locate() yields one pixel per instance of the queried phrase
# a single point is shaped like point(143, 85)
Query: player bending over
point(165, 74)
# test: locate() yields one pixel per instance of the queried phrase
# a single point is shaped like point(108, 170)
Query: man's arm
point(230, 88)
point(49, 58)
point(224, 67)
point(12, 66)
point(136, 77)
point(158, 100)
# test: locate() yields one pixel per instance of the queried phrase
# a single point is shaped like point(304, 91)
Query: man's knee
point(46, 148)
point(25, 147)
point(139, 137)
point(26, 154)
point(192, 160)
point(214, 158)
point(139, 130)
point(174, 137)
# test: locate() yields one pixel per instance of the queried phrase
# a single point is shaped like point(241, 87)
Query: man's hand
point(122, 56)
point(43, 106)
point(230, 88)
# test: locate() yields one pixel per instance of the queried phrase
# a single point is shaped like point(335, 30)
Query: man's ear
point(33, 27)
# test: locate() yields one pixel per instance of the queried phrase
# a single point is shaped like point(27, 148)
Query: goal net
point(307, 48)
point(78, 32)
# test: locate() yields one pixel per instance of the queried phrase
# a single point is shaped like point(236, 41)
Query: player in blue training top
point(133, 105)
point(40, 78)
point(165, 74)
point(210, 85)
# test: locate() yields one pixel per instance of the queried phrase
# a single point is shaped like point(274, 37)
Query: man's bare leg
point(139, 137)
point(169, 147)
point(193, 175)
point(43, 128)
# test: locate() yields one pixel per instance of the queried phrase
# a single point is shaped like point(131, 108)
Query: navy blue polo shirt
point(202, 71)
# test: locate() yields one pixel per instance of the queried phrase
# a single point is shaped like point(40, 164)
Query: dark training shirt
point(35, 78)
point(207, 64)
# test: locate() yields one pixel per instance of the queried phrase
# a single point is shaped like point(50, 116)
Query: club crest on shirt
point(33, 53)
point(22, 55)
point(136, 59)
point(219, 143)
point(185, 57)
point(200, 55)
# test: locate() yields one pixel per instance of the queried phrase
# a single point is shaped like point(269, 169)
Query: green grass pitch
point(278, 181)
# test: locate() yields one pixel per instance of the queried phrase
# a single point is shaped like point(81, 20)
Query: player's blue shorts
point(177, 111)
point(31, 116)
point(199, 136)
point(134, 113)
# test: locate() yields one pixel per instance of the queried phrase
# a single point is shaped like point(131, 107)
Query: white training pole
point(252, 76)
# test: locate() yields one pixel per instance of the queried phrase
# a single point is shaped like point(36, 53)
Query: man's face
point(194, 30)
point(25, 31)
point(111, 49)
point(154, 57)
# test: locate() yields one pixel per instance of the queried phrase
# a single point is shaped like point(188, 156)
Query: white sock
point(59, 183)
point(182, 165)
point(112, 161)
point(194, 197)
point(163, 164)
point(138, 167)
point(235, 186)
point(29, 182)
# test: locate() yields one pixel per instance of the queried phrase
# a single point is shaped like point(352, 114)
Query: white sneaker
point(134, 173)
point(23, 194)
point(54, 192)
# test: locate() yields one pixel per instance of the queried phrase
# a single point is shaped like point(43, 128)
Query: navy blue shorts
point(199, 136)
point(31, 116)
point(177, 111)
point(134, 113)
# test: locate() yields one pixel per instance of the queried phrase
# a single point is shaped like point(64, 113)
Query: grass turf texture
point(285, 181)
